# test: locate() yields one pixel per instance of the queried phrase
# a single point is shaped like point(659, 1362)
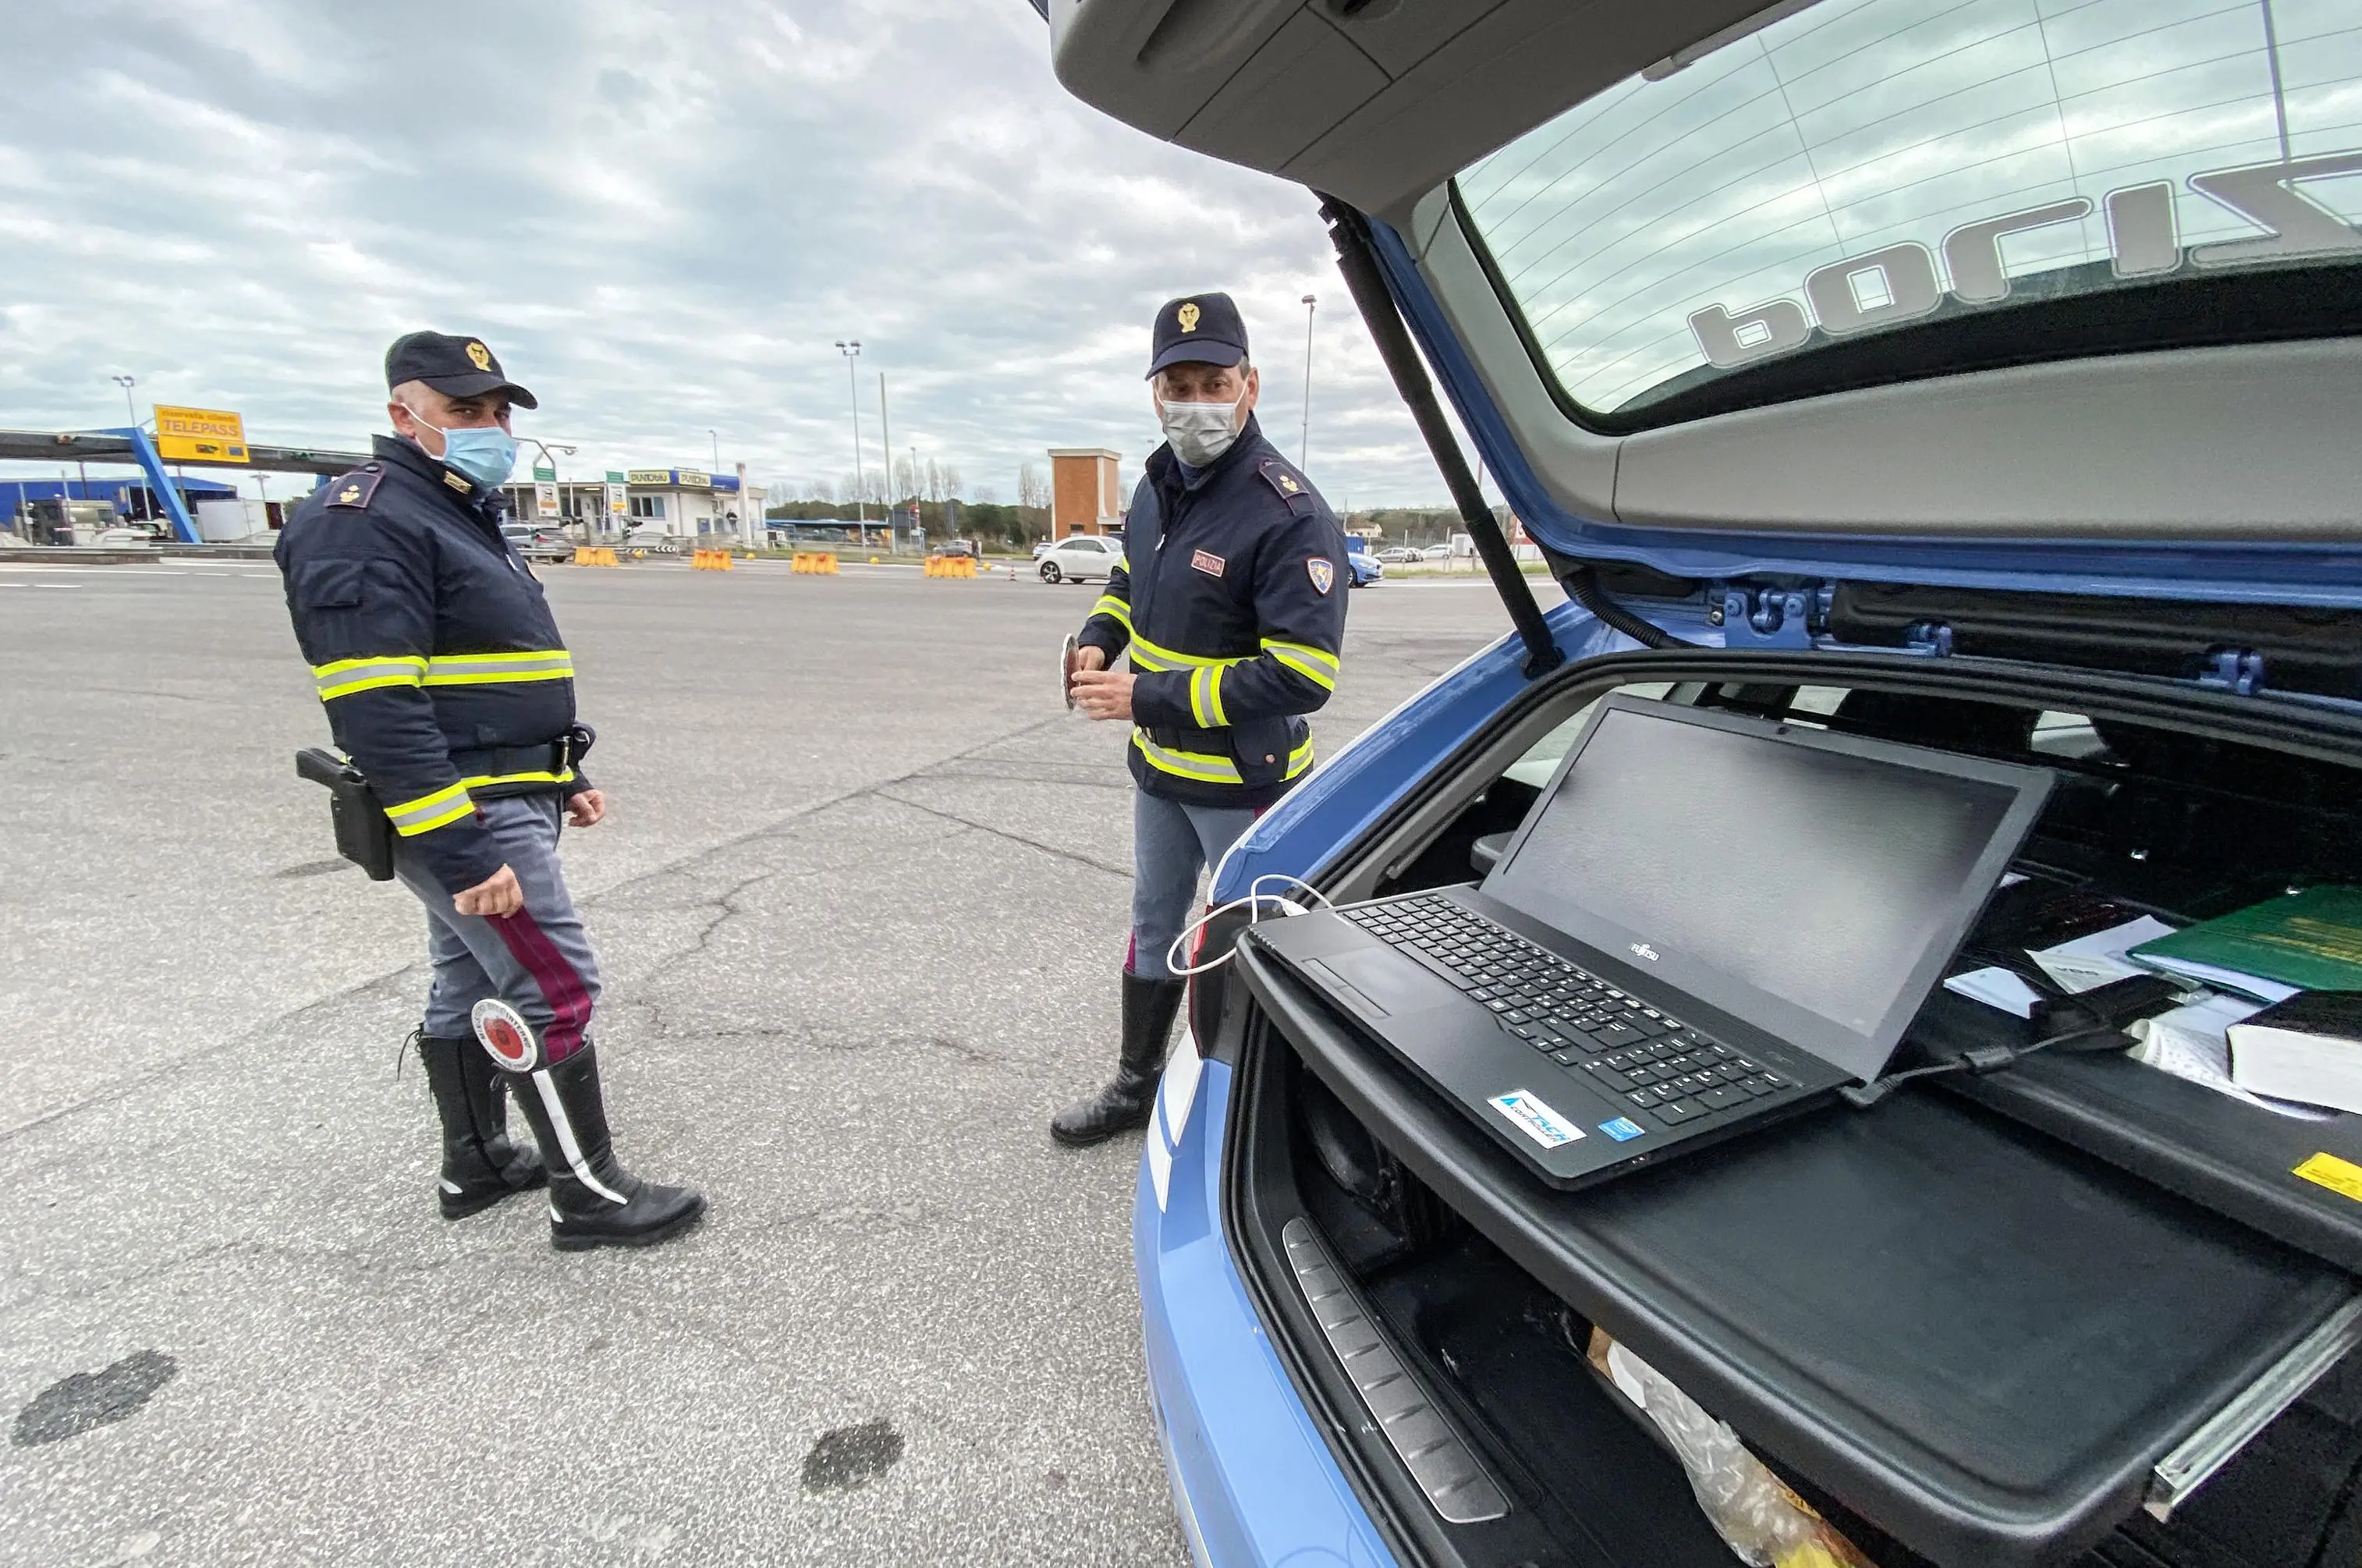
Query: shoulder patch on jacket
point(1291, 486)
point(355, 488)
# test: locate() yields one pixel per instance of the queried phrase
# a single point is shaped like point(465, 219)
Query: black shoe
point(594, 1202)
point(481, 1166)
point(1148, 1009)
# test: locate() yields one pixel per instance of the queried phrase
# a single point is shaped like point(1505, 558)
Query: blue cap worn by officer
point(446, 684)
point(1230, 604)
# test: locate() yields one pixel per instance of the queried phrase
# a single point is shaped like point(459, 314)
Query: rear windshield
point(1857, 167)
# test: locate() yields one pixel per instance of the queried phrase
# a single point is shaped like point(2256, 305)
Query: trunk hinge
point(2236, 671)
point(1770, 617)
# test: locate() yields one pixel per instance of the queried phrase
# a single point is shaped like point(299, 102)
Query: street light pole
point(1304, 441)
point(886, 458)
point(127, 383)
point(851, 351)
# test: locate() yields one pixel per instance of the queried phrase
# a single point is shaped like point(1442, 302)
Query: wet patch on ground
point(72, 1406)
point(852, 1457)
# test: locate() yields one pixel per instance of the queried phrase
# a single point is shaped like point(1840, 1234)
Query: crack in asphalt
point(1079, 859)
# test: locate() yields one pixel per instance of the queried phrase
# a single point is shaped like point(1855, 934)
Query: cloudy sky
point(661, 216)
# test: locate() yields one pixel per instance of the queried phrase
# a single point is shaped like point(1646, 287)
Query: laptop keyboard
point(1667, 1073)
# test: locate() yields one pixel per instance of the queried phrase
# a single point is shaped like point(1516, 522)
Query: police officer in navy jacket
point(446, 681)
point(1231, 603)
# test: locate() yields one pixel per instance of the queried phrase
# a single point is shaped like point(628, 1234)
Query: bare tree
point(988, 495)
point(951, 478)
point(1032, 489)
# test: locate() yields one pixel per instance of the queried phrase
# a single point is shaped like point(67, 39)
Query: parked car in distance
point(1436, 553)
point(537, 542)
point(1082, 558)
point(1360, 563)
point(1399, 555)
point(1044, 547)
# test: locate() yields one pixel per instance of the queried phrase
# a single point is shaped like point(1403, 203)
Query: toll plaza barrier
point(594, 555)
point(951, 565)
point(710, 560)
point(818, 563)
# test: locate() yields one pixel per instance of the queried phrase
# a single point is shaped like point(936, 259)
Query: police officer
point(446, 683)
point(1230, 601)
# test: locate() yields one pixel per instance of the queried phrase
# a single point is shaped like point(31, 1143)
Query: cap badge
point(1188, 316)
point(1322, 572)
point(479, 356)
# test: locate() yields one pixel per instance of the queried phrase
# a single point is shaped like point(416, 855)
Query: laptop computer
point(1707, 921)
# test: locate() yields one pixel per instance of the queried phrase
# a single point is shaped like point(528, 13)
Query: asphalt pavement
point(860, 903)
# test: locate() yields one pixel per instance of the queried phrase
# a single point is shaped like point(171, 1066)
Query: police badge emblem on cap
point(505, 1035)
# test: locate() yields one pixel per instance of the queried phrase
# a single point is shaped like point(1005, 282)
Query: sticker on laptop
point(1535, 1119)
point(1623, 1129)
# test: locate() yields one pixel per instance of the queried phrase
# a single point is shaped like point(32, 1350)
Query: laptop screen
point(1809, 883)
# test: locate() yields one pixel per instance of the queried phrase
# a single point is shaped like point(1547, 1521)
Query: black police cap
point(456, 367)
point(1203, 327)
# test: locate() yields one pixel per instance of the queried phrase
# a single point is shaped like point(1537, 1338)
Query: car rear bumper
point(1252, 1480)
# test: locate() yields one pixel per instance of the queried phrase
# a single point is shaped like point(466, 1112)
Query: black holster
point(364, 833)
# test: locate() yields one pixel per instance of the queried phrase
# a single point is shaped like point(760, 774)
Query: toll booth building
point(681, 502)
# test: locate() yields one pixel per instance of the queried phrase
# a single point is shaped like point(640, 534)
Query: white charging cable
point(1252, 902)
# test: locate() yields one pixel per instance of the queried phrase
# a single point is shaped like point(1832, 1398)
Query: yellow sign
point(689, 478)
point(2339, 1175)
point(199, 435)
point(649, 477)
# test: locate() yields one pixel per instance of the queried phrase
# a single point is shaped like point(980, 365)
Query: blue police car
point(1972, 375)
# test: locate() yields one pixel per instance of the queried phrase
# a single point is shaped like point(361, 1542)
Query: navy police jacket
point(434, 650)
point(1232, 603)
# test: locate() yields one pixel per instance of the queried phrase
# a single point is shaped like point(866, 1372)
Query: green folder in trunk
point(2311, 940)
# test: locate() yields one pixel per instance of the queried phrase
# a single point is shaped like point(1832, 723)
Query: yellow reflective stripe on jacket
point(430, 812)
point(347, 676)
point(1314, 664)
point(1301, 758)
point(1206, 698)
point(492, 668)
point(1110, 604)
point(1196, 765)
point(481, 779)
point(1146, 655)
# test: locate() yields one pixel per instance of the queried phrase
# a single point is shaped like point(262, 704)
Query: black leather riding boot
point(481, 1166)
point(1148, 1009)
point(594, 1202)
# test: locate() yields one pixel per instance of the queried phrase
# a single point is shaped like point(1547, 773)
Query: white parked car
point(1397, 555)
point(1436, 553)
point(1083, 558)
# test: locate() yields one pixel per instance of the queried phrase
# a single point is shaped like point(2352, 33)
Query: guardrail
point(710, 560)
point(817, 563)
point(951, 565)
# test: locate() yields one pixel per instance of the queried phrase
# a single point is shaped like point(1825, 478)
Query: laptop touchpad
point(1391, 982)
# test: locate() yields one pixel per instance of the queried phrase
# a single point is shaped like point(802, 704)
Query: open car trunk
point(1965, 1324)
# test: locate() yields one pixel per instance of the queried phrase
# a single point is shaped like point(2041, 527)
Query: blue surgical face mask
point(486, 454)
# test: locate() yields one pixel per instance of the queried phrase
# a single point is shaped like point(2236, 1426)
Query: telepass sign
point(199, 435)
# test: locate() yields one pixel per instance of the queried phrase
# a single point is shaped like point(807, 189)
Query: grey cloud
point(662, 219)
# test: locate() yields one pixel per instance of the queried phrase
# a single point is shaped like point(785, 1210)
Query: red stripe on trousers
point(561, 988)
